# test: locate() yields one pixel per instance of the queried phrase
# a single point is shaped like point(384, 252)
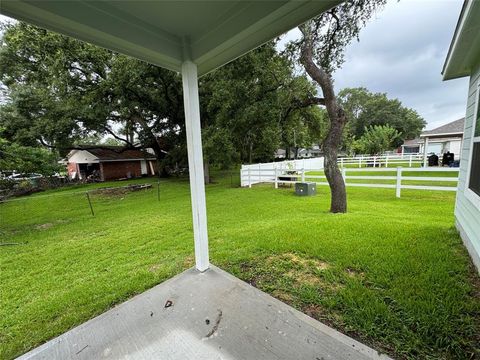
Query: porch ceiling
point(166, 33)
point(464, 51)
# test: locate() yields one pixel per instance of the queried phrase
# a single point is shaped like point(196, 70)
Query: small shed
point(110, 163)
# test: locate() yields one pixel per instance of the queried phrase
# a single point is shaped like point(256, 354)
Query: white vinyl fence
point(282, 176)
point(265, 172)
point(407, 160)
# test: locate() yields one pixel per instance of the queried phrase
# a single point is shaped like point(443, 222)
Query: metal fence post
point(399, 181)
point(90, 203)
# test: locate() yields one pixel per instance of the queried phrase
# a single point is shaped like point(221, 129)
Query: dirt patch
point(120, 190)
point(44, 226)
point(356, 274)
point(283, 296)
point(188, 262)
point(300, 261)
point(49, 225)
point(154, 268)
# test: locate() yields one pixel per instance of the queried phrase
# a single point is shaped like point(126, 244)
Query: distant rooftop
point(412, 142)
point(452, 128)
point(106, 153)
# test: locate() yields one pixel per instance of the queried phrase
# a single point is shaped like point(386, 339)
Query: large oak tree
point(321, 51)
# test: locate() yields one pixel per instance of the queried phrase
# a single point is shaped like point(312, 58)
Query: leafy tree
point(27, 159)
point(61, 91)
point(365, 109)
point(377, 139)
point(255, 105)
point(321, 51)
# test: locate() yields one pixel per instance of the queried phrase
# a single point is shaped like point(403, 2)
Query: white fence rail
point(287, 176)
point(409, 160)
point(257, 173)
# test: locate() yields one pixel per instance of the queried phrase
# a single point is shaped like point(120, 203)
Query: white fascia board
point(442, 134)
point(119, 160)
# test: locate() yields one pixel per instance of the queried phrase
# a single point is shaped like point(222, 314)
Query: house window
point(474, 171)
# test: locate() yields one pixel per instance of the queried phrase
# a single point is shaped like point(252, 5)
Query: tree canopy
point(365, 109)
point(377, 139)
point(60, 91)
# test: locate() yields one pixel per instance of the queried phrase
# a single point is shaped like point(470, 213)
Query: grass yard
point(392, 272)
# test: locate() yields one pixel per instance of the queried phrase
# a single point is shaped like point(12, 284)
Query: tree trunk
point(337, 118)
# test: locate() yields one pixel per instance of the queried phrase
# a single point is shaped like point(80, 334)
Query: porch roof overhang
point(167, 33)
point(464, 52)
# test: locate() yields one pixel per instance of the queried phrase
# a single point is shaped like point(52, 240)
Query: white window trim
point(469, 194)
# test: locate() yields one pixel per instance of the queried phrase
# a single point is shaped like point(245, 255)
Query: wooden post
point(410, 161)
point(374, 161)
point(249, 177)
point(425, 147)
point(344, 175)
point(195, 164)
point(398, 188)
point(303, 175)
point(341, 162)
point(360, 161)
point(276, 178)
point(386, 161)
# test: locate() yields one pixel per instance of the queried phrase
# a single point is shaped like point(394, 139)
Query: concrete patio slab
point(210, 315)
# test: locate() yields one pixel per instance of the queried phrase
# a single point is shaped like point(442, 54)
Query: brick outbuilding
point(110, 163)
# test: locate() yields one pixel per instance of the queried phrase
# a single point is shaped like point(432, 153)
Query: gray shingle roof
point(453, 127)
point(412, 142)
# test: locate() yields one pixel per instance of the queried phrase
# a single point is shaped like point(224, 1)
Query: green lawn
point(392, 272)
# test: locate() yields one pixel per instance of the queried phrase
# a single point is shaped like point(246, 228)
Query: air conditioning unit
point(305, 188)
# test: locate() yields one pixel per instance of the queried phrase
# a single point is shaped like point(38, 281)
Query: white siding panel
point(467, 215)
point(83, 157)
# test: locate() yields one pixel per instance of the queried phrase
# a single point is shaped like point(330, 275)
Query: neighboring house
point(410, 146)
point(448, 137)
point(109, 163)
point(463, 60)
point(302, 153)
point(314, 151)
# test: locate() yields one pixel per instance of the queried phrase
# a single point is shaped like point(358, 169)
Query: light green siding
point(467, 215)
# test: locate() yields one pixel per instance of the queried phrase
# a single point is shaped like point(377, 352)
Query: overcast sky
point(401, 52)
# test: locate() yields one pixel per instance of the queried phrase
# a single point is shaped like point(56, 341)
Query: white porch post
point(195, 163)
point(425, 147)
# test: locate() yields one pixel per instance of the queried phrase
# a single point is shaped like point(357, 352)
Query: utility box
point(305, 189)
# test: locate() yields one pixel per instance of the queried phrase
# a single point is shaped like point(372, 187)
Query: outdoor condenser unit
point(305, 189)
